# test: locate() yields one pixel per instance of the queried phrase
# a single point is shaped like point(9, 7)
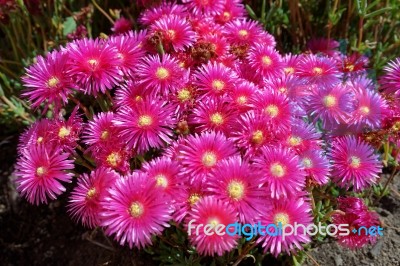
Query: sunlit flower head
point(147, 125)
point(40, 172)
point(212, 212)
point(201, 153)
point(281, 170)
point(233, 181)
point(134, 211)
point(49, 81)
point(354, 163)
point(85, 200)
point(94, 65)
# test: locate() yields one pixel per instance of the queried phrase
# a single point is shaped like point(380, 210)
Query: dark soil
point(46, 235)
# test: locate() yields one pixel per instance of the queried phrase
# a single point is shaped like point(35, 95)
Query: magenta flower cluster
point(204, 120)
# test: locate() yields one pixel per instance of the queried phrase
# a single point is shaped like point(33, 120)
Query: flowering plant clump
point(198, 119)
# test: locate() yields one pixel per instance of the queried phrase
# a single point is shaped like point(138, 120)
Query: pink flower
point(215, 79)
point(191, 195)
point(302, 136)
point(133, 211)
point(370, 109)
point(160, 75)
point(356, 214)
point(130, 94)
point(354, 163)
point(129, 51)
point(281, 170)
point(147, 125)
point(112, 155)
point(40, 171)
point(318, 70)
point(233, 9)
point(266, 61)
point(211, 212)
point(251, 132)
point(95, 65)
point(242, 32)
point(122, 25)
point(201, 153)
point(85, 200)
point(101, 131)
point(233, 181)
point(332, 106)
point(48, 81)
point(166, 173)
point(65, 133)
point(175, 32)
point(243, 95)
point(207, 8)
point(316, 166)
point(39, 133)
point(275, 108)
point(390, 81)
point(151, 15)
point(212, 114)
point(284, 212)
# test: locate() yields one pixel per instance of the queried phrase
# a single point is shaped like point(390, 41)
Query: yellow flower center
point(243, 33)
point(226, 15)
point(184, 95)
point(217, 119)
point(91, 193)
point(317, 71)
point(277, 170)
point(64, 132)
point(218, 85)
point(93, 63)
point(257, 137)
point(40, 171)
point(39, 140)
point(266, 60)
point(162, 73)
point(52, 82)
point(365, 110)
point(281, 218)
point(241, 100)
point(138, 98)
point(349, 67)
point(272, 110)
point(289, 70)
point(136, 209)
point(235, 190)
point(104, 135)
point(283, 89)
point(355, 161)
point(161, 180)
point(145, 120)
point(113, 158)
point(194, 198)
point(213, 222)
point(209, 159)
point(329, 101)
point(307, 162)
point(171, 34)
point(294, 141)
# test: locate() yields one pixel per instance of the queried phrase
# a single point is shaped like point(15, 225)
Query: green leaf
point(378, 12)
point(69, 26)
point(251, 12)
